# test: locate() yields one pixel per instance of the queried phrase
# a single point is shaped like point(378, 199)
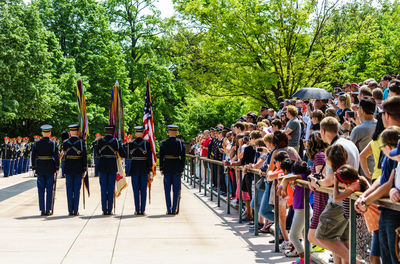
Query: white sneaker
point(286, 245)
point(291, 253)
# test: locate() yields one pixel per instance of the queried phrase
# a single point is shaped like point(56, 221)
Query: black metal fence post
point(219, 185)
point(276, 216)
point(240, 197)
point(200, 177)
point(256, 177)
point(353, 233)
point(306, 224)
point(228, 191)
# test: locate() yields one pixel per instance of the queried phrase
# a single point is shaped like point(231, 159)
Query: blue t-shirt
point(385, 94)
point(387, 166)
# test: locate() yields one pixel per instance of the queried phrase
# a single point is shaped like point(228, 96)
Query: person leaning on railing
point(334, 237)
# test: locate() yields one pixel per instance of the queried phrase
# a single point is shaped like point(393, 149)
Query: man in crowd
point(361, 135)
point(389, 219)
point(332, 231)
point(293, 127)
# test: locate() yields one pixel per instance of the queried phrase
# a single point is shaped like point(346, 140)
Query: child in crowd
point(300, 170)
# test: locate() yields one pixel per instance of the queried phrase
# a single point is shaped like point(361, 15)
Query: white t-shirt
point(397, 177)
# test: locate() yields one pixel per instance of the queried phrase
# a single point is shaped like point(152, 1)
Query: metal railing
point(209, 166)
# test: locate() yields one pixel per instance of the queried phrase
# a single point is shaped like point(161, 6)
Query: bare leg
point(282, 222)
point(338, 248)
point(248, 209)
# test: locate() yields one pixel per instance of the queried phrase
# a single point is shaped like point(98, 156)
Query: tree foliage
point(211, 63)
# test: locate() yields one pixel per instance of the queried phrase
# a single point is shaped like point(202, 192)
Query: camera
point(259, 149)
point(350, 114)
point(317, 176)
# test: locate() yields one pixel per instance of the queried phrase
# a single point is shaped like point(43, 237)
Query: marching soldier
point(95, 154)
point(172, 162)
point(45, 163)
point(6, 156)
point(27, 155)
point(108, 148)
point(128, 158)
point(75, 155)
point(141, 166)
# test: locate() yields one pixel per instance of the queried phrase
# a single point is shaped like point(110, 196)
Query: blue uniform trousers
point(174, 180)
point(107, 186)
point(25, 166)
point(139, 186)
point(6, 167)
point(73, 183)
point(16, 166)
point(128, 166)
point(20, 165)
point(96, 167)
point(45, 184)
point(11, 168)
point(62, 168)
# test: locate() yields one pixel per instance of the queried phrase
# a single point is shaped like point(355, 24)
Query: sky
point(165, 6)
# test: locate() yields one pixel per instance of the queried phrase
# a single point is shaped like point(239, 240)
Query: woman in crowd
point(316, 153)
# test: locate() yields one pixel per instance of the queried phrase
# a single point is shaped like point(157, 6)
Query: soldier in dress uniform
point(172, 162)
point(108, 148)
point(13, 156)
point(75, 156)
point(6, 156)
point(27, 155)
point(95, 154)
point(128, 158)
point(20, 154)
point(64, 137)
point(141, 166)
point(45, 163)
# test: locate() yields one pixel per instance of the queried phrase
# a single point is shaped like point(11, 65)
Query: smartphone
point(351, 114)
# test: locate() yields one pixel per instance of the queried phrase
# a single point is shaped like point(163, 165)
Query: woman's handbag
point(397, 245)
point(260, 185)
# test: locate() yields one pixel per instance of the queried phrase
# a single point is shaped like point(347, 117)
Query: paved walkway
point(202, 233)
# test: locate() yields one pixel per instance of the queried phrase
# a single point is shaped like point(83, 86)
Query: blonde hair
point(268, 138)
point(346, 99)
point(261, 124)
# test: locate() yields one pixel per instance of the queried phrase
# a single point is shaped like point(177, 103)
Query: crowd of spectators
point(349, 143)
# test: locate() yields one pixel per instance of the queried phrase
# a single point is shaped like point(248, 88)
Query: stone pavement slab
point(201, 233)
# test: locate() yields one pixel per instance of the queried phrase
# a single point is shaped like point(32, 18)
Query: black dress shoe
point(104, 213)
point(76, 213)
point(48, 213)
point(169, 213)
point(71, 214)
point(173, 213)
point(42, 213)
point(109, 213)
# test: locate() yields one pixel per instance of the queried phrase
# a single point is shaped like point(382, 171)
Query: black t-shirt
point(315, 127)
point(248, 155)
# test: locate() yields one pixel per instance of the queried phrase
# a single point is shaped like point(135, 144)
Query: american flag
point(149, 127)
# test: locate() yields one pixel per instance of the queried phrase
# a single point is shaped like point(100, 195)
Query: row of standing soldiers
point(15, 155)
point(139, 164)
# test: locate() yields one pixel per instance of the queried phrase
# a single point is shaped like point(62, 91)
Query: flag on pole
point(149, 128)
point(116, 118)
point(83, 125)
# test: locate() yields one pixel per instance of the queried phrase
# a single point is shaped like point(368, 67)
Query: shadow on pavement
point(264, 253)
point(30, 217)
